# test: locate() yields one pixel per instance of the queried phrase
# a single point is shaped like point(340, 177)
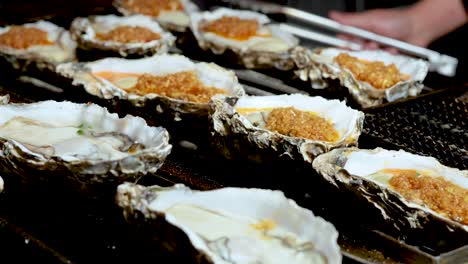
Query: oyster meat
point(40, 43)
point(84, 143)
point(410, 191)
point(171, 14)
point(234, 225)
point(371, 77)
point(250, 35)
point(168, 87)
point(132, 35)
point(296, 126)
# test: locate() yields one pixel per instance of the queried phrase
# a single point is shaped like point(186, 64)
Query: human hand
point(394, 23)
point(419, 24)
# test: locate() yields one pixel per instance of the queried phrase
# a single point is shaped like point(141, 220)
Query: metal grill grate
point(435, 125)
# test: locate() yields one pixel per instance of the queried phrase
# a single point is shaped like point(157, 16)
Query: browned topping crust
point(375, 73)
point(232, 27)
point(292, 122)
point(129, 34)
point(182, 85)
point(20, 37)
point(436, 192)
point(152, 7)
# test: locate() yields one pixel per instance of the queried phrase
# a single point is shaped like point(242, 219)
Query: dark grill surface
point(435, 125)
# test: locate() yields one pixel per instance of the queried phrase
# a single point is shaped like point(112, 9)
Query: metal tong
point(443, 64)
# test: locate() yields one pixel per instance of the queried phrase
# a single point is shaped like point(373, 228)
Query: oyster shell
point(60, 49)
point(85, 31)
point(234, 133)
point(323, 61)
point(360, 171)
point(175, 17)
point(153, 107)
point(271, 47)
point(233, 225)
point(81, 144)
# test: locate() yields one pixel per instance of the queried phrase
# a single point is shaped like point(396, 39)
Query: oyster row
point(232, 225)
point(172, 15)
point(241, 126)
point(84, 144)
point(42, 44)
point(371, 77)
point(250, 35)
point(409, 191)
point(126, 36)
point(168, 90)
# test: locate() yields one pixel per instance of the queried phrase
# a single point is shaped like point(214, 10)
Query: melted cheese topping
point(437, 193)
point(181, 85)
point(233, 28)
point(152, 7)
point(129, 34)
point(375, 73)
point(236, 239)
point(19, 37)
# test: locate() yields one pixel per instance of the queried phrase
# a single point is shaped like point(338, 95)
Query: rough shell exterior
point(321, 67)
point(248, 56)
point(97, 176)
point(234, 136)
point(138, 203)
point(408, 221)
point(83, 31)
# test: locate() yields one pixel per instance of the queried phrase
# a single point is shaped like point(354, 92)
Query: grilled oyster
point(411, 192)
point(232, 225)
point(82, 145)
point(171, 14)
point(41, 45)
point(293, 126)
point(371, 77)
point(169, 87)
point(255, 41)
point(125, 36)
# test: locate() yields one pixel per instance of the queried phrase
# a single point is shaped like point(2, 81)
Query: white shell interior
point(52, 129)
point(365, 163)
point(344, 118)
point(219, 222)
point(209, 74)
point(279, 41)
point(104, 24)
point(62, 50)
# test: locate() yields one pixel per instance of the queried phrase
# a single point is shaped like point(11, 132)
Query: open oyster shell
point(174, 20)
point(323, 61)
point(153, 107)
point(82, 145)
point(254, 52)
point(233, 134)
point(62, 49)
point(232, 225)
point(84, 31)
point(356, 170)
